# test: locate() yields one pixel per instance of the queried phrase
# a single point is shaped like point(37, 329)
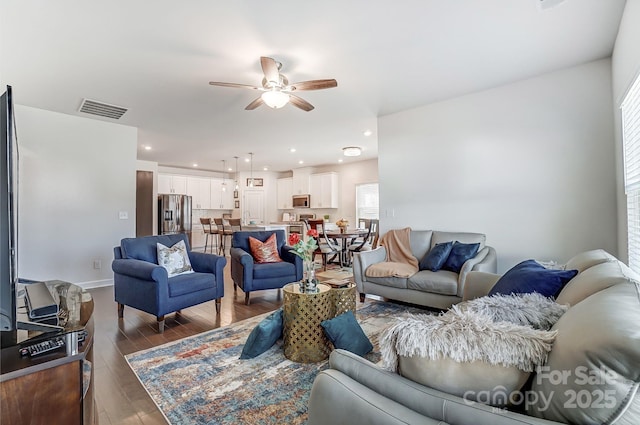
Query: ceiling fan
point(276, 90)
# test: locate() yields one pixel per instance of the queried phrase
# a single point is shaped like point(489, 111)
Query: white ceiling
point(157, 57)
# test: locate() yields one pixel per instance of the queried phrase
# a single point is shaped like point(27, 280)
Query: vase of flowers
point(304, 248)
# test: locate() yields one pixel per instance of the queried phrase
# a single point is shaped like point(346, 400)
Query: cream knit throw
point(400, 261)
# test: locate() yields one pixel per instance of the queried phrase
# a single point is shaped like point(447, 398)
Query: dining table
point(344, 236)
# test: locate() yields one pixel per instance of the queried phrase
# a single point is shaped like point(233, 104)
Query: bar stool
point(223, 232)
point(208, 230)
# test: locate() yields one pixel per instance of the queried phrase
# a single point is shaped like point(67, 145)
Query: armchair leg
point(362, 298)
point(160, 320)
point(218, 302)
point(246, 298)
point(120, 311)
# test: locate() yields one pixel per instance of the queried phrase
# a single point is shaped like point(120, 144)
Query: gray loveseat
point(439, 289)
point(591, 376)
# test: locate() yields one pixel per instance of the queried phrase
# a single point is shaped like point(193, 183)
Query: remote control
point(42, 347)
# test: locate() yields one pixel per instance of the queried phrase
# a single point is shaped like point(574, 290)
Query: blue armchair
point(141, 283)
point(251, 276)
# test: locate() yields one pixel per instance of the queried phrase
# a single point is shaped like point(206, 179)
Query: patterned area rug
point(200, 380)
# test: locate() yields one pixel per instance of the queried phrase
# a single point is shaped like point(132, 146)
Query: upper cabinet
point(301, 181)
point(206, 193)
point(285, 193)
point(221, 196)
point(199, 188)
point(168, 183)
point(324, 190)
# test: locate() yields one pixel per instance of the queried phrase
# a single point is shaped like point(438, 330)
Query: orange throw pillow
point(266, 252)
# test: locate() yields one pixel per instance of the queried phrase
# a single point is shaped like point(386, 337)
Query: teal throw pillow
point(263, 336)
point(345, 332)
point(460, 253)
point(434, 259)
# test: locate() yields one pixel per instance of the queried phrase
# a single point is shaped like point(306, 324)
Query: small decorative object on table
point(305, 249)
point(342, 224)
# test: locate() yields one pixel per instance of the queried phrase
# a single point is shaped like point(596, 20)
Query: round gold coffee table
point(304, 340)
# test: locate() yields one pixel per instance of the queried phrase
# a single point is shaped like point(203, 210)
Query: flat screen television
point(8, 213)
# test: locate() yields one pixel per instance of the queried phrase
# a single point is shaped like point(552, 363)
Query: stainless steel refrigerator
point(174, 214)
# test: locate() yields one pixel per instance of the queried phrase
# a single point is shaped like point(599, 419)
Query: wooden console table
point(57, 387)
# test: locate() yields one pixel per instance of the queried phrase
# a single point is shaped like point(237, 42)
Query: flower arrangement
point(304, 248)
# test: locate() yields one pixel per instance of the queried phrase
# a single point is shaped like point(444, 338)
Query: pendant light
point(224, 183)
point(251, 165)
point(237, 186)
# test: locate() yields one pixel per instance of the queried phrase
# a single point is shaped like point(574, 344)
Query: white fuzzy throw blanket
point(533, 309)
point(465, 337)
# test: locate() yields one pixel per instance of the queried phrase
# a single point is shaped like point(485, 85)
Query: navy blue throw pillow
point(263, 336)
point(345, 332)
point(529, 276)
point(460, 253)
point(434, 259)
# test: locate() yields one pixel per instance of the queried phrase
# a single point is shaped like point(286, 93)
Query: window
point(366, 201)
point(631, 142)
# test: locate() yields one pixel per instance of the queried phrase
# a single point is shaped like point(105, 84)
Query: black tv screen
point(8, 213)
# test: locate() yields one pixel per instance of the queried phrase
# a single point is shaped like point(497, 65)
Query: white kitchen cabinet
point(221, 200)
point(285, 193)
point(199, 188)
point(197, 237)
point(172, 184)
point(324, 190)
point(301, 181)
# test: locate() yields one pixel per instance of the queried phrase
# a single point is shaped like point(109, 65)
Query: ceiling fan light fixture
point(275, 98)
point(351, 151)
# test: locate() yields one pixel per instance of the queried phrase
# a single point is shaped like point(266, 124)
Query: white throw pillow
point(174, 259)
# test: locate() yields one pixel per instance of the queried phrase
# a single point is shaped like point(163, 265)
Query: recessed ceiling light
point(147, 148)
point(301, 162)
point(229, 169)
point(195, 165)
point(247, 160)
point(292, 150)
point(351, 151)
point(340, 160)
point(265, 168)
point(368, 133)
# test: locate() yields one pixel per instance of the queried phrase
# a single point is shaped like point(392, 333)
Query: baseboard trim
point(95, 284)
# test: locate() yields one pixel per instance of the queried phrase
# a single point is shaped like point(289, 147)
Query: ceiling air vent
point(101, 109)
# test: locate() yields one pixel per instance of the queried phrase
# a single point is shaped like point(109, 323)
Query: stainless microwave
point(301, 201)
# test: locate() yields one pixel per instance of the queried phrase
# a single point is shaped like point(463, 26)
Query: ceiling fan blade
point(253, 105)
point(300, 103)
point(314, 85)
point(270, 69)
point(242, 86)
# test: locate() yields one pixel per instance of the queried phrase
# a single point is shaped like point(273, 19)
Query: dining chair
point(208, 229)
point(369, 240)
point(325, 245)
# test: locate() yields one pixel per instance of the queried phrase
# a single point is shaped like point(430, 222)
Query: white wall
point(531, 164)
point(625, 64)
point(76, 175)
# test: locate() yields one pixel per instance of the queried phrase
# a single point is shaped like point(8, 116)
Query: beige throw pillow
point(175, 259)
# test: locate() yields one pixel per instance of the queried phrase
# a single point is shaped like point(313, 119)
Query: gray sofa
point(591, 376)
point(439, 289)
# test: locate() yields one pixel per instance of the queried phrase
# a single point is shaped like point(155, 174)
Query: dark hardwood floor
point(120, 397)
